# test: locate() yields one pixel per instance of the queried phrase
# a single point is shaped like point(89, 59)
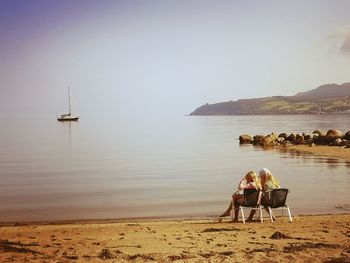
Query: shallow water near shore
point(148, 167)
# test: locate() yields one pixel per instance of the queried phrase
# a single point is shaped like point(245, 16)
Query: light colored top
point(269, 186)
point(244, 185)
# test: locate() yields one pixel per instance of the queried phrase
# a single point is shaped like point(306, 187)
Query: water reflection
point(66, 127)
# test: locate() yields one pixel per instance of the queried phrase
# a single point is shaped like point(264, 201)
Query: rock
point(309, 141)
point(281, 139)
point(315, 137)
point(268, 140)
point(291, 137)
point(307, 136)
point(347, 135)
point(257, 139)
point(322, 140)
point(345, 142)
point(319, 139)
point(105, 254)
point(283, 135)
point(333, 134)
point(337, 142)
point(299, 139)
point(319, 132)
point(274, 136)
point(245, 138)
point(273, 143)
point(279, 235)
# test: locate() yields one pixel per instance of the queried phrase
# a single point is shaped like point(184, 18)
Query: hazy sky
point(126, 58)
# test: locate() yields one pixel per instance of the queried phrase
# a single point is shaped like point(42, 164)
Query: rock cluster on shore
point(318, 137)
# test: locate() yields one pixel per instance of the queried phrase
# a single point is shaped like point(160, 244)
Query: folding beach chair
point(251, 200)
point(277, 200)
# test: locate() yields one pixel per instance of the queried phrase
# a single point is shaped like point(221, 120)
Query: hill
point(330, 98)
point(328, 90)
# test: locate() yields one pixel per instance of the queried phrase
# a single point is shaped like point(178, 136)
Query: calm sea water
point(183, 166)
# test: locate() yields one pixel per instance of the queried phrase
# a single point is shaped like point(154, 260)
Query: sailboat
point(68, 116)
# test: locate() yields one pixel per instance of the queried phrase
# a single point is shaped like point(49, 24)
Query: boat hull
point(67, 118)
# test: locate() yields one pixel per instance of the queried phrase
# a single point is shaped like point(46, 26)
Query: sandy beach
point(323, 238)
point(321, 150)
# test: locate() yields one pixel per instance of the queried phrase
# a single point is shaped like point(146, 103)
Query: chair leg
point(271, 215)
point(243, 219)
point(289, 214)
point(261, 215)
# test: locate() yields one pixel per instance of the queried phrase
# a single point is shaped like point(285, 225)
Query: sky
point(165, 58)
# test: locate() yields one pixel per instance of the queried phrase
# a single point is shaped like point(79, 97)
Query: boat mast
point(70, 106)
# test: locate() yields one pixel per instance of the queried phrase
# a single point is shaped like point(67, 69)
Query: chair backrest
point(278, 197)
point(251, 197)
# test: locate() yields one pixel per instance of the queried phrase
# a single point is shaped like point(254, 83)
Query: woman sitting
point(268, 183)
point(249, 181)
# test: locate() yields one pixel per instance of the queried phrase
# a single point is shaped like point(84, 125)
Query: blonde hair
point(269, 178)
point(254, 177)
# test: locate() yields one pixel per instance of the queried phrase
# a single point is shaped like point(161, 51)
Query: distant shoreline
point(326, 99)
point(271, 114)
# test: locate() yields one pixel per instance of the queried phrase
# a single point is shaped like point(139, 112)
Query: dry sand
point(327, 151)
point(307, 239)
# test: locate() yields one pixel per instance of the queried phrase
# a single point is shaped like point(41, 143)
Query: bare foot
point(225, 214)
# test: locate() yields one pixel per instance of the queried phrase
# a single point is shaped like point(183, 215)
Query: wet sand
point(323, 238)
point(327, 151)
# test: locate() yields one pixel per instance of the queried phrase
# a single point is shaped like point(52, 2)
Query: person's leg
point(236, 214)
point(227, 212)
point(265, 201)
point(237, 201)
point(251, 215)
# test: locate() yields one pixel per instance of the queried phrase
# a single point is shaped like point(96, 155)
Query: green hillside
point(278, 105)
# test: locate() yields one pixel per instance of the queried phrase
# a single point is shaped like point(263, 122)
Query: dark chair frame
point(251, 200)
point(277, 200)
